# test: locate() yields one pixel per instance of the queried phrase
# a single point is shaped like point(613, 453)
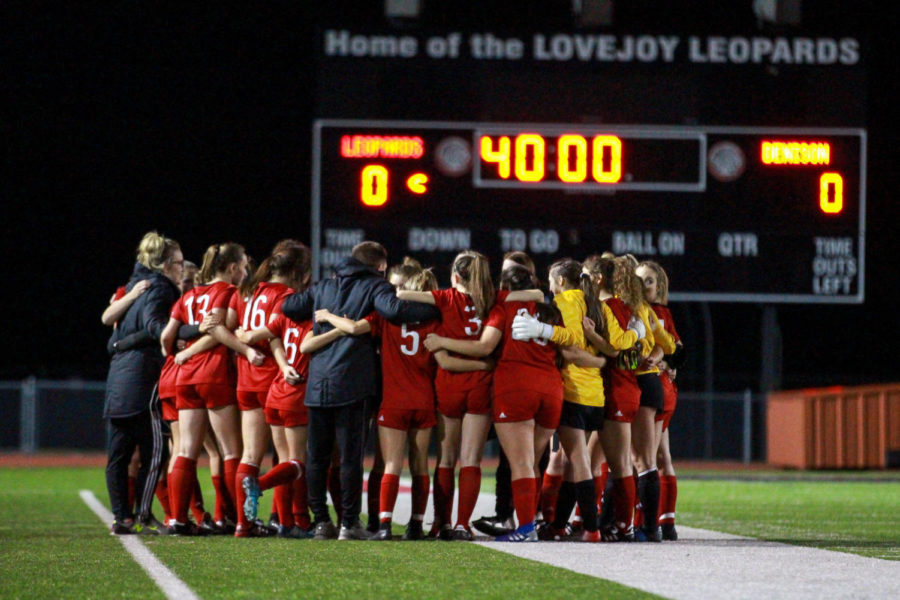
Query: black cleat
point(668, 532)
point(614, 534)
point(414, 531)
point(495, 526)
point(647, 535)
point(383, 534)
point(461, 534)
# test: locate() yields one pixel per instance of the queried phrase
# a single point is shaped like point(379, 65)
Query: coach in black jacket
point(130, 385)
point(342, 376)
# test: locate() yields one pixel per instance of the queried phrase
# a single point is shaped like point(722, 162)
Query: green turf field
point(52, 545)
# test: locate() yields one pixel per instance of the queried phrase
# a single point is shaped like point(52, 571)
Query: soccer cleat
point(223, 527)
point(494, 526)
point(549, 533)
point(123, 527)
point(273, 521)
point(383, 534)
point(356, 532)
point(325, 531)
point(413, 531)
point(525, 533)
point(445, 533)
point(614, 534)
point(256, 529)
point(668, 532)
point(151, 526)
point(642, 534)
point(462, 534)
point(591, 537)
point(187, 529)
point(293, 533)
point(251, 502)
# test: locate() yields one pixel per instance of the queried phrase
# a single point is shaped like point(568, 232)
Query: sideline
point(173, 587)
point(705, 564)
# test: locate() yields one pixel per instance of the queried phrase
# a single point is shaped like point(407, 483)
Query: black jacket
point(344, 372)
point(133, 373)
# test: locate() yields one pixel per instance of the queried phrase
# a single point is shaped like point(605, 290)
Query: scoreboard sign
point(740, 212)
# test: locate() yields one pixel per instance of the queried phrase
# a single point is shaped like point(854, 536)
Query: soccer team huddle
point(579, 391)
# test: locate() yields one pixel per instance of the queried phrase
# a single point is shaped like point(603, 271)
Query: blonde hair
point(626, 284)
point(474, 273)
point(662, 281)
point(155, 250)
point(421, 281)
point(405, 270)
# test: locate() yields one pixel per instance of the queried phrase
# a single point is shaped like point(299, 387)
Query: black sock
point(648, 492)
point(565, 502)
point(606, 511)
point(586, 494)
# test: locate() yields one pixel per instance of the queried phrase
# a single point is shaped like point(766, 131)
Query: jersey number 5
point(413, 347)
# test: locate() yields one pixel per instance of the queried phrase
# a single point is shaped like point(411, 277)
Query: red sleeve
point(497, 317)
point(120, 291)
point(501, 295)
point(442, 298)
point(177, 311)
point(224, 298)
point(376, 323)
point(276, 325)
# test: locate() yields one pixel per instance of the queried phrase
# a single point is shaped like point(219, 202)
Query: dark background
point(195, 121)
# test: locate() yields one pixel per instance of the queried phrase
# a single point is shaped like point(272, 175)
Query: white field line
point(705, 564)
point(173, 587)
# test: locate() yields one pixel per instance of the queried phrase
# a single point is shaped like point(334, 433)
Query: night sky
point(126, 118)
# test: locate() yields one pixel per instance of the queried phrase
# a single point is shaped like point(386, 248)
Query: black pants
point(345, 425)
point(125, 435)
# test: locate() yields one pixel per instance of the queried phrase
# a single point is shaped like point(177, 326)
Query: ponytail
point(289, 258)
point(472, 269)
point(216, 259)
point(592, 302)
point(154, 250)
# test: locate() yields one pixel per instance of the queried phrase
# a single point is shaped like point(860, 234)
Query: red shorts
point(512, 407)
point(251, 400)
point(287, 418)
point(670, 398)
point(454, 405)
point(623, 398)
point(406, 419)
point(204, 395)
point(169, 412)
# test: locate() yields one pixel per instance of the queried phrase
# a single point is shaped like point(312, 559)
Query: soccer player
point(463, 399)
point(583, 406)
point(205, 385)
point(286, 269)
point(656, 291)
point(342, 380)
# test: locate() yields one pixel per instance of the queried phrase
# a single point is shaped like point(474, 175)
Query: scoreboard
point(740, 211)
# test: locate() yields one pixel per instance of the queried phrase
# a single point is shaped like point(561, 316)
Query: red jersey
point(283, 395)
point(215, 365)
point(254, 312)
point(665, 319)
point(619, 378)
point(407, 368)
point(459, 320)
point(523, 364)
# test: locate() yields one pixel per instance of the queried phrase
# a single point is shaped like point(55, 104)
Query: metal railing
point(40, 414)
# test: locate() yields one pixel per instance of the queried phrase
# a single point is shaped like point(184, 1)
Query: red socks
point(280, 474)
point(549, 494)
point(197, 501)
point(229, 474)
point(390, 485)
point(668, 494)
point(300, 500)
point(523, 491)
point(623, 501)
point(443, 495)
point(162, 494)
point(419, 496)
point(469, 486)
point(181, 482)
point(600, 484)
point(243, 470)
